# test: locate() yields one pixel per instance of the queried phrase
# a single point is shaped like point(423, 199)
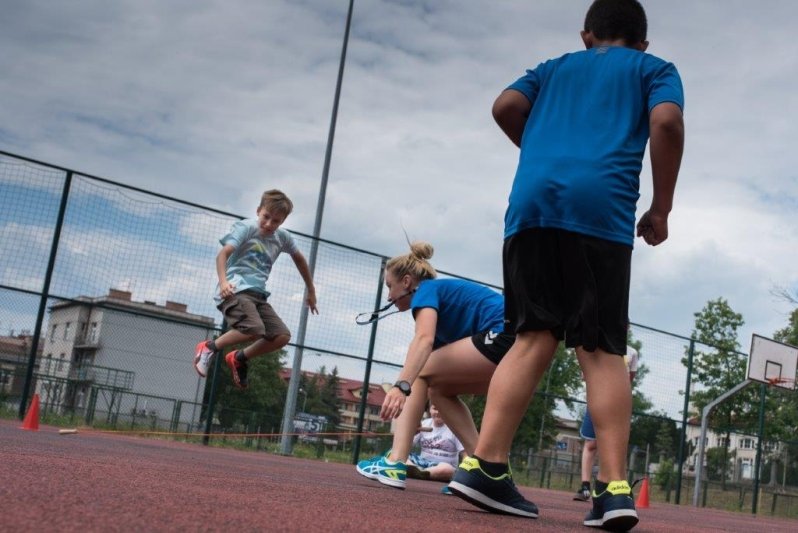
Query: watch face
point(403, 386)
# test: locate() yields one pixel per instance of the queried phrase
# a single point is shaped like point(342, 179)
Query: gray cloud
point(213, 103)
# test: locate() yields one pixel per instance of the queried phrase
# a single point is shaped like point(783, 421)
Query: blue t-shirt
point(464, 308)
point(583, 144)
point(250, 264)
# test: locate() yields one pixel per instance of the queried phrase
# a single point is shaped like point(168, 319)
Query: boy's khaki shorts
point(248, 312)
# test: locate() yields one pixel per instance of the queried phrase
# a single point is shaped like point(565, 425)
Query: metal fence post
point(367, 376)
point(683, 431)
point(758, 461)
point(48, 276)
point(212, 397)
point(286, 443)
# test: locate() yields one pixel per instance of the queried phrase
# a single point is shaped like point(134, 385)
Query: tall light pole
point(286, 443)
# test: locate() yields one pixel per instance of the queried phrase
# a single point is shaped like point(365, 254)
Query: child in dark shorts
point(582, 122)
point(243, 266)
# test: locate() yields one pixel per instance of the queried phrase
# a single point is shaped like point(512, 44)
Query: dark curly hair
point(617, 19)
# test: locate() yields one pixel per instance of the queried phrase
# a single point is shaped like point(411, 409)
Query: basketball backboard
point(772, 362)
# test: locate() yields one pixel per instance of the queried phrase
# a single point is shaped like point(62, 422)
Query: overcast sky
point(214, 102)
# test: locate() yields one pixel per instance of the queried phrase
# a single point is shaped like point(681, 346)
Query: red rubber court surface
point(110, 482)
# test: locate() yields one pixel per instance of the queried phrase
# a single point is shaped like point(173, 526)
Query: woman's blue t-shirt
point(464, 308)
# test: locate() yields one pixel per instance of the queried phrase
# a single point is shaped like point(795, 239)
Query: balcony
point(102, 376)
point(87, 342)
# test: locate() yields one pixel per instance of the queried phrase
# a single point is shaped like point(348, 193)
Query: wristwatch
point(403, 386)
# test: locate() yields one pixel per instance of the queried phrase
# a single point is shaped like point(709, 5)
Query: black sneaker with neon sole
point(613, 509)
point(494, 494)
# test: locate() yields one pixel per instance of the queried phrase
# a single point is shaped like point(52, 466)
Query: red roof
point(347, 388)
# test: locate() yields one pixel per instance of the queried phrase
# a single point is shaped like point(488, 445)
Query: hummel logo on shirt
point(489, 336)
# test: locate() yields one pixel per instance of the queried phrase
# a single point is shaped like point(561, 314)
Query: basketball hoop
point(772, 363)
point(781, 382)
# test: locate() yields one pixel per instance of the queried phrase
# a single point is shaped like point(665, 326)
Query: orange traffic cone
point(31, 421)
point(642, 498)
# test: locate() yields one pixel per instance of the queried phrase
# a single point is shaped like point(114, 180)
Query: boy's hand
point(226, 289)
point(311, 301)
point(653, 227)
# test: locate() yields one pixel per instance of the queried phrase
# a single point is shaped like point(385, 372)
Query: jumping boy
point(582, 122)
point(243, 266)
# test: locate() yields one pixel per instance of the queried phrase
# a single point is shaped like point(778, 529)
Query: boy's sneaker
point(202, 358)
point(238, 369)
point(582, 495)
point(494, 494)
point(447, 491)
point(384, 470)
point(613, 509)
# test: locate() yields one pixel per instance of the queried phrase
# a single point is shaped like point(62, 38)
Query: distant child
point(582, 122)
point(439, 450)
point(243, 266)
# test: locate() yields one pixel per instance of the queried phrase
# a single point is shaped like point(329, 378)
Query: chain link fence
point(105, 290)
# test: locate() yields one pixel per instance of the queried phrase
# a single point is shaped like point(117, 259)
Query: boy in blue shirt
point(243, 266)
point(581, 121)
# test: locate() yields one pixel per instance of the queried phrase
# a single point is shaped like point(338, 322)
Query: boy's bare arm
point(666, 125)
point(304, 271)
point(225, 288)
point(510, 110)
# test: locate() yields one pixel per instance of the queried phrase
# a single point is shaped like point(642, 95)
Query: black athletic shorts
point(573, 285)
point(493, 345)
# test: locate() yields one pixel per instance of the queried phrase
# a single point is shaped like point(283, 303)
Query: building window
point(47, 361)
point(746, 444)
point(61, 362)
point(746, 468)
point(67, 330)
point(93, 333)
point(52, 332)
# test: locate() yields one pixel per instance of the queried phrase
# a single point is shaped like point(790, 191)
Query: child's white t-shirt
point(439, 445)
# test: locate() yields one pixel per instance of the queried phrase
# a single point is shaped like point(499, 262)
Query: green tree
point(323, 389)
point(644, 424)
point(640, 402)
point(665, 475)
point(719, 461)
point(782, 410)
point(261, 404)
point(561, 381)
point(718, 367)
point(666, 444)
point(789, 334)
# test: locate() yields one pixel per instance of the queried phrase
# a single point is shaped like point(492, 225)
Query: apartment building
point(742, 450)
point(14, 356)
point(119, 356)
